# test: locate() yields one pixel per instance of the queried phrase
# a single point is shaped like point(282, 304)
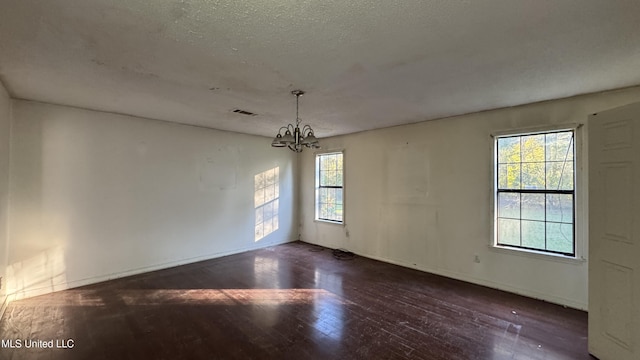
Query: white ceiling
point(365, 64)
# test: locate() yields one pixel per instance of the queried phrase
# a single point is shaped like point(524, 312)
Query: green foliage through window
point(329, 187)
point(536, 192)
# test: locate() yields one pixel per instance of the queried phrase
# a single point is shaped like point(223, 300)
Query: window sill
point(532, 254)
point(329, 222)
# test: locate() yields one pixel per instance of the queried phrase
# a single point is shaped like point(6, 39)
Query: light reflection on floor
point(140, 297)
point(265, 272)
point(330, 314)
point(225, 296)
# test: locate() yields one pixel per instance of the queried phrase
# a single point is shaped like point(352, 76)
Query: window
point(535, 192)
point(329, 187)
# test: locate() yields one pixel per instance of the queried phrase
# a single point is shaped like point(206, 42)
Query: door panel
point(614, 232)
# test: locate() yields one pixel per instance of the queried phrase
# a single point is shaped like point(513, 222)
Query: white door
point(614, 233)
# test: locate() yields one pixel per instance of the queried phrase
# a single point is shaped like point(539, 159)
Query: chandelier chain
point(298, 120)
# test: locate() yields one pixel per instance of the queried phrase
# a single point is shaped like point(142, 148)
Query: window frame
point(579, 194)
point(317, 188)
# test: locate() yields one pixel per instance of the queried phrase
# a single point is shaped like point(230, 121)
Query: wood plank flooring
point(293, 301)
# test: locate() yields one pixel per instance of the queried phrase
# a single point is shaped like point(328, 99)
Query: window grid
point(329, 187)
point(542, 201)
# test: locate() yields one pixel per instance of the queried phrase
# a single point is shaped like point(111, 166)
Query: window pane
point(509, 176)
point(533, 206)
point(325, 178)
point(560, 237)
point(559, 146)
point(330, 173)
point(560, 208)
point(334, 162)
point(324, 212)
point(330, 178)
point(331, 196)
point(566, 182)
point(331, 208)
point(560, 176)
point(338, 196)
point(555, 172)
point(338, 213)
point(329, 163)
point(322, 195)
point(509, 232)
point(533, 176)
point(509, 150)
point(509, 205)
point(533, 148)
point(533, 234)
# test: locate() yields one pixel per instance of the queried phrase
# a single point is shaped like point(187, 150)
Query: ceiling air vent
point(244, 112)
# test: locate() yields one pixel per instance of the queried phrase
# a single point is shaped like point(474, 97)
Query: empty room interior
point(194, 179)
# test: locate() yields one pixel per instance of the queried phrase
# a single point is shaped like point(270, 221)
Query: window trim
point(580, 215)
point(317, 186)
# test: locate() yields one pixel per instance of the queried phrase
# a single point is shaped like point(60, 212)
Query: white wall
point(96, 195)
point(5, 115)
point(420, 196)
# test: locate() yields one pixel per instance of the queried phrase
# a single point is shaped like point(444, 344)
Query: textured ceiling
point(364, 64)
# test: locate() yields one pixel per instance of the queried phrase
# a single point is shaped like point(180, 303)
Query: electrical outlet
point(476, 259)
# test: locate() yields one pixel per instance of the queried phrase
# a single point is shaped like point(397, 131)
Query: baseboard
point(488, 283)
point(31, 292)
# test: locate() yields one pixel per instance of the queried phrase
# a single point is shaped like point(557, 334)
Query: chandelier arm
point(306, 130)
point(284, 127)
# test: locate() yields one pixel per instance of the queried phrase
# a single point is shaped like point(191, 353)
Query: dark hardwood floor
point(293, 301)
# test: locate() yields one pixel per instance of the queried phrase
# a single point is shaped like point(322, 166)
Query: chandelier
point(294, 138)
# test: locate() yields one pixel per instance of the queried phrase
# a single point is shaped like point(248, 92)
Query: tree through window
point(329, 187)
point(535, 192)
